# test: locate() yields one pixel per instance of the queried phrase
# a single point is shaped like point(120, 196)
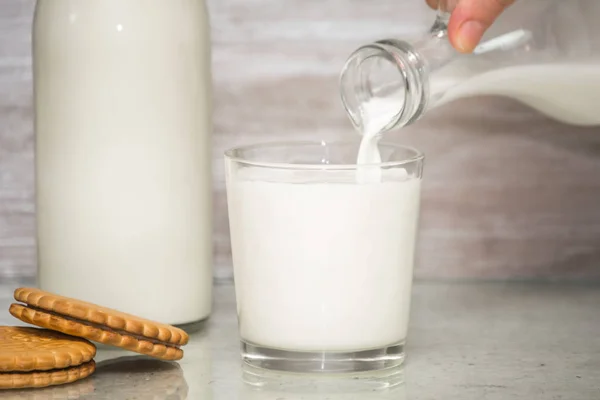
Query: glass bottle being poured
point(545, 53)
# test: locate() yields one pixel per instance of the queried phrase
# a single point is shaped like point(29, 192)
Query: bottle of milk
point(123, 122)
point(545, 53)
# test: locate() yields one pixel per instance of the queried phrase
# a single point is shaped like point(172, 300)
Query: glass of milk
point(323, 260)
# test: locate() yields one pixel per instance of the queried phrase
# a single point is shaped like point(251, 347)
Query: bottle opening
point(373, 88)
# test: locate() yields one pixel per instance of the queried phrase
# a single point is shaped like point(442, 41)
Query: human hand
point(469, 19)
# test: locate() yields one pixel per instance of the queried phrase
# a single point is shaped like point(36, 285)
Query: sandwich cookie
point(34, 358)
point(99, 324)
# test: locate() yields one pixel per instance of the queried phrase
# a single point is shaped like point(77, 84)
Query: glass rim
point(418, 156)
point(359, 56)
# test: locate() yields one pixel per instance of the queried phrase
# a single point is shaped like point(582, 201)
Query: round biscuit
point(39, 379)
point(98, 315)
point(24, 349)
point(95, 333)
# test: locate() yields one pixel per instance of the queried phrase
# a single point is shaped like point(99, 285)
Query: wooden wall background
point(508, 193)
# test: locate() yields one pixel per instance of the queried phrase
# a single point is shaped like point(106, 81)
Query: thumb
point(470, 19)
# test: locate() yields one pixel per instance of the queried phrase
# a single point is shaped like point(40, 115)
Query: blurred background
point(508, 193)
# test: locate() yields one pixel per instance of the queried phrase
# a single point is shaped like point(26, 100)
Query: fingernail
point(469, 35)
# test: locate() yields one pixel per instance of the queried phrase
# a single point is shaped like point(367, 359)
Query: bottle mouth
point(374, 88)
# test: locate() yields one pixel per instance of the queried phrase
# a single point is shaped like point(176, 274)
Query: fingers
point(442, 5)
point(471, 19)
point(432, 3)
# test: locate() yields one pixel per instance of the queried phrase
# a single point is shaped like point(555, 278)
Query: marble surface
point(466, 341)
point(508, 193)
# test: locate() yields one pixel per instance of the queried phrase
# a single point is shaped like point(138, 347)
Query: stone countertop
point(466, 341)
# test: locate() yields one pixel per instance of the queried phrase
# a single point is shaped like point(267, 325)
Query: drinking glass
point(323, 261)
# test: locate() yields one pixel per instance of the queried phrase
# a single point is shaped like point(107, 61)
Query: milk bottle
point(545, 53)
point(122, 116)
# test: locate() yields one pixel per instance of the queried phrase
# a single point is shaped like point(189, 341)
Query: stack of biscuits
point(61, 352)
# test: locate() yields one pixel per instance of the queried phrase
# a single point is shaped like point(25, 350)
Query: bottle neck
point(392, 78)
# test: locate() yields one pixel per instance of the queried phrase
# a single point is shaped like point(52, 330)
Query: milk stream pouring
point(545, 53)
point(371, 131)
point(122, 116)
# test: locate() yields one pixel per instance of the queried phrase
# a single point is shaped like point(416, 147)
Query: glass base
point(284, 385)
point(323, 362)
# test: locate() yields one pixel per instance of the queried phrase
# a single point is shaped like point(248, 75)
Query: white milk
point(322, 262)
point(567, 92)
point(375, 116)
point(123, 154)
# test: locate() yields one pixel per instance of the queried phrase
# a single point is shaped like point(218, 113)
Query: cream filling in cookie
point(102, 327)
point(50, 371)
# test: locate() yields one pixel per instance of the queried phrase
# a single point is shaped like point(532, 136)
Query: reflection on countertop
point(383, 385)
point(467, 341)
point(141, 377)
point(126, 377)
